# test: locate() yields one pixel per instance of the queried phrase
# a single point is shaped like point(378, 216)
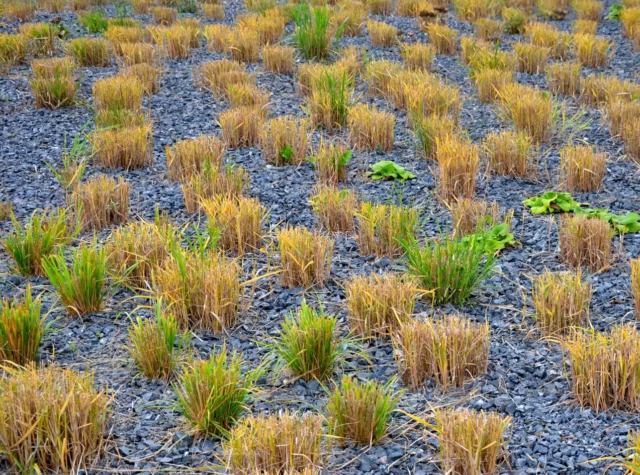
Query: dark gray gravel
point(526, 378)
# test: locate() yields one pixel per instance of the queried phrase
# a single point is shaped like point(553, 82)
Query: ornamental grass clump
point(278, 59)
point(101, 202)
point(635, 285)
point(308, 345)
point(361, 411)
point(371, 129)
point(285, 140)
point(509, 153)
point(469, 216)
point(530, 110)
point(53, 83)
point(82, 284)
point(471, 442)
point(450, 267)
point(428, 131)
point(381, 33)
point(239, 222)
point(90, 52)
point(129, 147)
point(379, 304)
point(330, 160)
point(418, 56)
point(202, 290)
point(305, 257)
point(382, 228)
point(582, 167)
point(22, 327)
point(116, 97)
point(214, 181)
point(334, 209)
point(605, 367)
point(52, 420)
point(450, 351)
point(13, 50)
point(561, 301)
point(564, 78)
point(459, 160)
point(241, 126)
point(285, 443)
point(213, 393)
point(189, 157)
point(329, 100)
point(155, 345)
point(443, 38)
point(313, 35)
point(216, 76)
point(43, 234)
point(585, 242)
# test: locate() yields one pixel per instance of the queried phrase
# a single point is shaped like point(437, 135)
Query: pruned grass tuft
point(531, 58)
point(308, 344)
point(443, 38)
point(449, 351)
point(361, 411)
point(334, 209)
point(509, 153)
point(285, 140)
point(429, 130)
point(278, 59)
point(382, 34)
point(330, 99)
point(90, 51)
point(605, 367)
point(635, 285)
point(371, 129)
point(213, 394)
point(42, 38)
point(53, 83)
point(201, 290)
point(217, 76)
point(281, 443)
point(330, 161)
point(530, 110)
point(239, 222)
point(450, 267)
point(129, 147)
point(561, 301)
point(241, 126)
point(382, 228)
point(13, 51)
point(379, 304)
point(459, 160)
point(52, 420)
point(190, 156)
point(214, 181)
point(117, 99)
point(583, 168)
point(81, 285)
point(164, 15)
point(148, 75)
point(305, 257)
point(469, 216)
point(564, 78)
point(585, 242)
point(470, 441)
point(155, 345)
point(101, 202)
point(313, 35)
point(418, 56)
point(21, 329)
point(592, 51)
point(43, 234)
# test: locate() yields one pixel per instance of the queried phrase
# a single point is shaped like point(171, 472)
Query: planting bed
point(528, 377)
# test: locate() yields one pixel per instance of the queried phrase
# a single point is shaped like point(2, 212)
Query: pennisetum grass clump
point(305, 256)
point(22, 327)
point(382, 228)
point(334, 209)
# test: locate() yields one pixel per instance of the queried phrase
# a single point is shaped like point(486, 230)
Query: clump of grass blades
point(130, 54)
point(90, 51)
point(241, 126)
point(81, 286)
point(243, 44)
point(217, 76)
point(515, 21)
point(371, 129)
point(583, 168)
point(564, 78)
point(19, 11)
point(43, 234)
point(587, 27)
point(530, 110)
point(509, 153)
point(148, 75)
point(164, 15)
point(621, 112)
point(115, 97)
point(305, 257)
point(213, 393)
point(635, 285)
point(216, 36)
point(285, 140)
point(429, 97)
point(561, 301)
point(329, 100)
point(605, 367)
point(42, 38)
point(190, 156)
point(443, 38)
point(350, 16)
point(45, 410)
point(278, 59)
point(282, 443)
point(588, 9)
point(101, 202)
point(490, 82)
point(382, 34)
point(418, 56)
point(308, 345)
point(156, 345)
point(269, 26)
point(94, 21)
point(382, 228)
point(334, 209)
point(129, 147)
point(226, 181)
point(21, 329)
point(213, 12)
point(122, 35)
point(133, 251)
point(361, 411)
point(428, 130)
point(53, 83)
point(471, 441)
point(531, 58)
point(585, 242)
point(470, 216)
point(330, 161)
point(631, 139)
point(592, 51)
point(241, 94)
point(239, 222)
point(547, 36)
point(378, 304)
point(379, 74)
point(451, 267)
point(13, 50)
point(459, 160)
point(313, 35)
point(201, 290)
